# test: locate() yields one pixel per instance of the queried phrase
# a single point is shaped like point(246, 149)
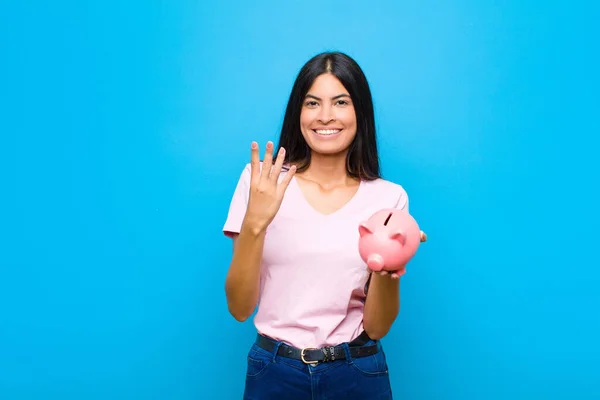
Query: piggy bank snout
point(375, 262)
point(389, 239)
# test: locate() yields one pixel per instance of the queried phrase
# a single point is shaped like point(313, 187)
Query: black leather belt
point(324, 354)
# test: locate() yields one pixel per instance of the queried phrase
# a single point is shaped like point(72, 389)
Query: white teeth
point(327, 131)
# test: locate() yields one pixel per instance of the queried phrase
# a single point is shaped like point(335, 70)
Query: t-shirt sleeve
point(238, 205)
point(402, 203)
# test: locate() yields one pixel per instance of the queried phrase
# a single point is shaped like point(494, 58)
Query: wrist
point(253, 226)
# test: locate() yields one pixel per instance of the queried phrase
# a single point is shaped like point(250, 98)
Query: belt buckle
point(306, 361)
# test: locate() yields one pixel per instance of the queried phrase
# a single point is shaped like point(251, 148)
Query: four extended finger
point(278, 165)
point(254, 162)
point(267, 162)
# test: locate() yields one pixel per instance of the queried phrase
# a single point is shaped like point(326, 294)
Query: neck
point(328, 169)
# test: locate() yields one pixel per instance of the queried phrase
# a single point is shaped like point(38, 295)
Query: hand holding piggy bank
point(388, 240)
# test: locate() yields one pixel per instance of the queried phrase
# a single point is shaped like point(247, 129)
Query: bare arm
point(382, 305)
point(242, 283)
point(383, 302)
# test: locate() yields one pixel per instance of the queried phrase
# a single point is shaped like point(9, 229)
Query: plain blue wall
point(124, 128)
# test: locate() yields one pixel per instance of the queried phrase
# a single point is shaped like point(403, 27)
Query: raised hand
point(266, 193)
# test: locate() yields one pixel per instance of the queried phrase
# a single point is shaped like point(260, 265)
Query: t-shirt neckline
point(340, 211)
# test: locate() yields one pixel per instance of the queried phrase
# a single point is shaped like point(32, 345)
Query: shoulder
point(386, 191)
point(381, 186)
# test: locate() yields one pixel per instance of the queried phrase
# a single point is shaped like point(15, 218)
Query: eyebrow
point(333, 98)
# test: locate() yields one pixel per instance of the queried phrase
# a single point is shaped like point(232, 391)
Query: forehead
point(327, 84)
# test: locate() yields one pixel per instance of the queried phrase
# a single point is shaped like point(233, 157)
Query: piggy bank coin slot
point(387, 219)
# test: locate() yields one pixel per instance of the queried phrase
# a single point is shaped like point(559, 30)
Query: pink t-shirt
point(312, 281)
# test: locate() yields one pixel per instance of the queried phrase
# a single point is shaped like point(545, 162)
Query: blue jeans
point(271, 376)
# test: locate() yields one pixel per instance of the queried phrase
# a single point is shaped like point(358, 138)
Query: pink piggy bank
point(388, 240)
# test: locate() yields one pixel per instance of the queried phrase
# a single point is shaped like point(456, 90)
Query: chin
point(329, 151)
point(329, 148)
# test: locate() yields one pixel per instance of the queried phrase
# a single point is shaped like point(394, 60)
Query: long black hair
point(362, 160)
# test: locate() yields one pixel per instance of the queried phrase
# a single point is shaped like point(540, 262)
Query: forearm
point(243, 278)
point(382, 305)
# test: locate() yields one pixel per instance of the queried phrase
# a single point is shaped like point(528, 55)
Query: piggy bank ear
point(363, 229)
point(399, 236)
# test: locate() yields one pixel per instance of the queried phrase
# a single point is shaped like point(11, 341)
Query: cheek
point(349, 119)
point(305, 120)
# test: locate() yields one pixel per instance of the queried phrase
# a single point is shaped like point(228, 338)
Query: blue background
point(124, 128)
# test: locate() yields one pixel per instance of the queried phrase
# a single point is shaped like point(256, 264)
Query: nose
point(326, 115)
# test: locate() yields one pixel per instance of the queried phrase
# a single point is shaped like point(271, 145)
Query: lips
point(327, 132)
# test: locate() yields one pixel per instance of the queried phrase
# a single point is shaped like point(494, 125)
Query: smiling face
point(328, 119)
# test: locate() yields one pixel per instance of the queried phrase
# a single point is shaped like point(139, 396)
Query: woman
point(294, 222)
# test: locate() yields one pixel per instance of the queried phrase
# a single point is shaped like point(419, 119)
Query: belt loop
point(347, 352)
point(276, 349)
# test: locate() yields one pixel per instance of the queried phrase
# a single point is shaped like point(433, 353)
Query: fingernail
point(254, 145)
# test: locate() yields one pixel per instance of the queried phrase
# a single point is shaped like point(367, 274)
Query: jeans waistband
point(354, 349)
